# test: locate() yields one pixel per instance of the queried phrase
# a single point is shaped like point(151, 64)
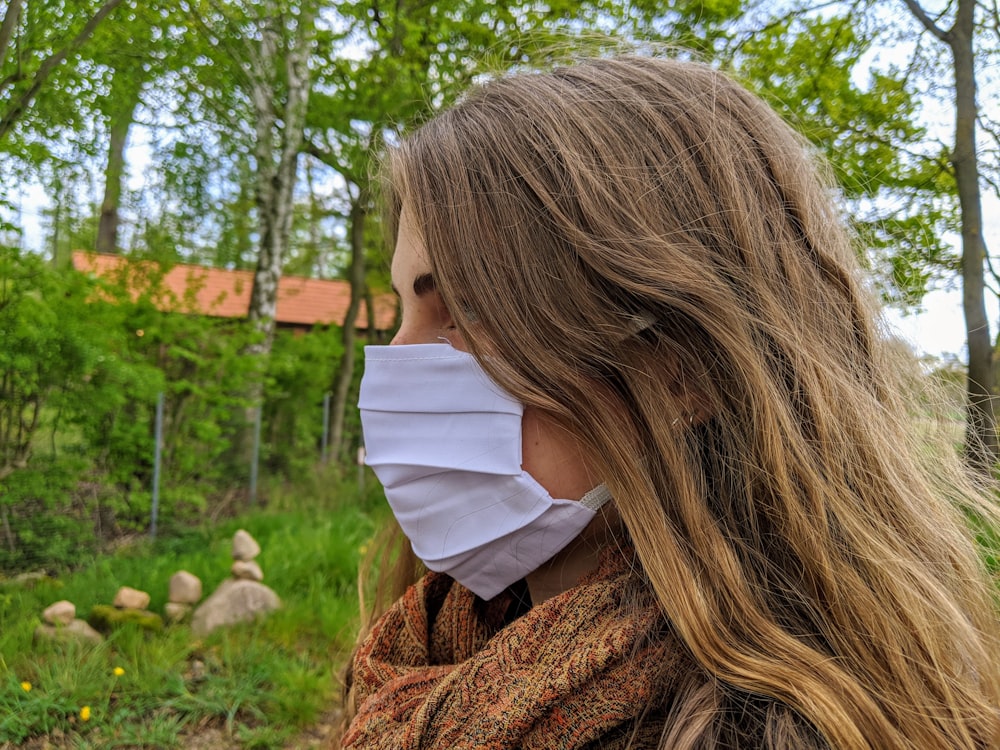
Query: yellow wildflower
point(26, 686)
point(85, 713)
point(118, 671)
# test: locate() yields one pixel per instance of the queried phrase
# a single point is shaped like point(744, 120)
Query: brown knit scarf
point(585, 669)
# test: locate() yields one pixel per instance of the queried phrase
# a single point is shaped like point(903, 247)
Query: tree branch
point(50, 63)
point(989, 127)
point(250, 61)
point(993, 12)
point(992, 270)
point(994, 185)
point(328, 158)
point(746, 35)
point(10, 19)
point(928, 22)
point(243, 53)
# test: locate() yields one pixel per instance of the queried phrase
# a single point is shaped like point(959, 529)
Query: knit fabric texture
point(588, 668)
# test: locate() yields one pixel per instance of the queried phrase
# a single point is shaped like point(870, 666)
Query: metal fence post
point(326, 427)
point(256, 457)
point(158, 432)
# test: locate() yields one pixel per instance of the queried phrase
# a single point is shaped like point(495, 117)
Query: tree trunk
point(278, 140)
point(125, 89)
point(276, 151)
point(10, 18)
point(372, 333)
point(982, 449)
point(8, 533)
point(356, 276)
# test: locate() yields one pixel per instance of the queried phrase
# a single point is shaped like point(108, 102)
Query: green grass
point(261, 682)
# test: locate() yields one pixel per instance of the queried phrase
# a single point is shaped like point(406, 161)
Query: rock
point(233, 602)
point(128, 598)
point(176, 611)
point(185, 588)
point(247, 570)
point(61, 613)
point(30, 579)
point(245, 547)
point(196, 671)
point(107, 618)
point(77, 630)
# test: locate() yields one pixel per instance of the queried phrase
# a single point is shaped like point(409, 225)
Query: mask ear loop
point(597, 497)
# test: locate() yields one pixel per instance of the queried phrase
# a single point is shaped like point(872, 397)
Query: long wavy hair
point(649, 254)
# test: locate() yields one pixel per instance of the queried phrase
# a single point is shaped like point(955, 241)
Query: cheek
point(425, 321)
point(551, 455)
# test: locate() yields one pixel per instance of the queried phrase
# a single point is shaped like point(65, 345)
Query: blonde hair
point(649, 255)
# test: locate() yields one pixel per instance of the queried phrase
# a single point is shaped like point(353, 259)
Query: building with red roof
point(218, 292)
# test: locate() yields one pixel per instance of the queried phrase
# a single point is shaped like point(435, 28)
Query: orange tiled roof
point(226, 294)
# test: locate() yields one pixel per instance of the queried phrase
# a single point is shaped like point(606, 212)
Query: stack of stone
point(185, 591)
point(245, 550)
point(130, 605)
point(240, 598)
point(62, 624)
point(134, 599)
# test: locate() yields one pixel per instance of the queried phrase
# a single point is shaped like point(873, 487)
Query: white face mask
point(445, 441)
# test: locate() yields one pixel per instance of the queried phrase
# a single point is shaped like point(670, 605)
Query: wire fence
point(186, 467)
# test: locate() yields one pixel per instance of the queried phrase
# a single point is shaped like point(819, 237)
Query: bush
point(61, 374)
point(82, 362)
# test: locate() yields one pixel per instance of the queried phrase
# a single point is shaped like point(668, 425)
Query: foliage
point(41, 522)
point(63, 369)
point(299, 373)
point(865, 125)
point(81, 364)
point(36, 38)
point(89, 359)
point(199, 358)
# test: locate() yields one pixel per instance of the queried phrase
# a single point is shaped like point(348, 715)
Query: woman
point(640, 424)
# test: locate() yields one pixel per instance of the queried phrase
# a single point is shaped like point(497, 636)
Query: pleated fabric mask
point(445, 441)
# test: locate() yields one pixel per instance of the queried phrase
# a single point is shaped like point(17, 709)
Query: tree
point(899, 184)
point(63, 367)
point(136, 53)
point(981, 442)
point(31, 51)
point(266, 49)
point(866, 123)
point(277, 147)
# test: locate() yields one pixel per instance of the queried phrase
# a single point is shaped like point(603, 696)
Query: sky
point(939, 328)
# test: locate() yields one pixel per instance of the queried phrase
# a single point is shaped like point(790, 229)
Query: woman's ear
point(693, 407)
point(691, 404)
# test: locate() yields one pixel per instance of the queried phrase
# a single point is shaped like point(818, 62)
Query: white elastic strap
point(596, 497)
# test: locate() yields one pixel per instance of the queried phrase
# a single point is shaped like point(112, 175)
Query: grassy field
point(262, 685)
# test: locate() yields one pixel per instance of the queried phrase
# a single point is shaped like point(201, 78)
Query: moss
point(105, 618)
